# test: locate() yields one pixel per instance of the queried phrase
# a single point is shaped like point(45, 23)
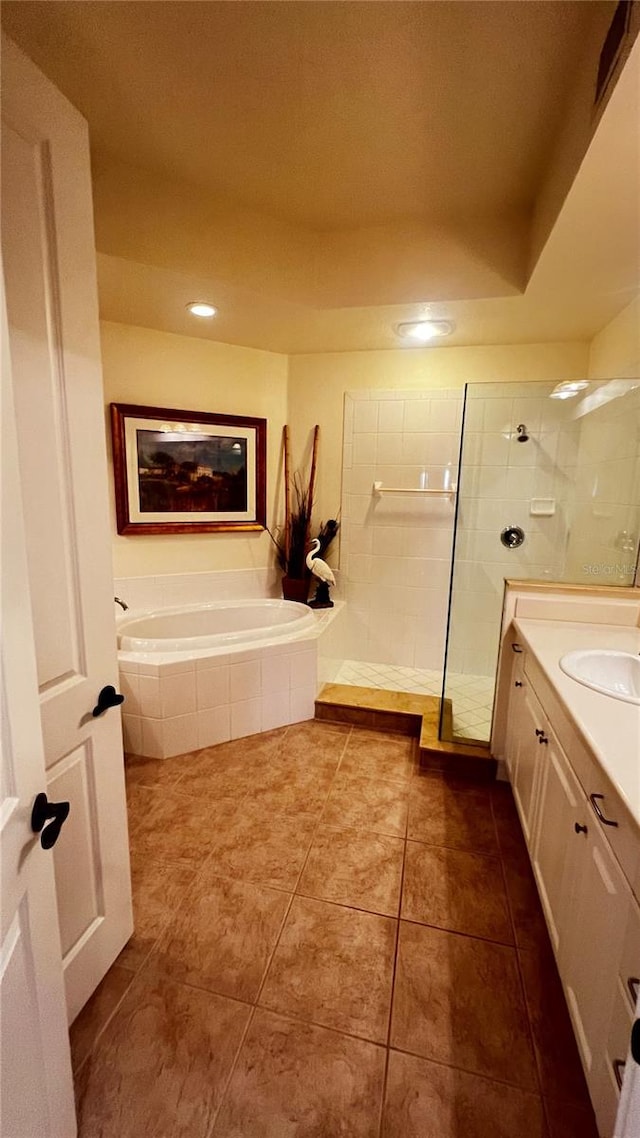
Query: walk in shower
point(448, 492)
point(549, 490)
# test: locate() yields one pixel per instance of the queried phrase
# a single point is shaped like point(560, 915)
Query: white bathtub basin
point(616, 674)
point(213, 625)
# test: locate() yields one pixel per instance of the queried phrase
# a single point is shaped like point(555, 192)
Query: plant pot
point(295, 589)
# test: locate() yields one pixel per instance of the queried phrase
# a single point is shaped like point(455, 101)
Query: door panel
point(26, 1102)
point(76, 855)
point(49, 259)
point(36, 1089)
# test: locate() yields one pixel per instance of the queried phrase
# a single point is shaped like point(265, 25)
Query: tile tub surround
point(169, 589)
point(187, 704)
point(395, 550)
point(305, 964)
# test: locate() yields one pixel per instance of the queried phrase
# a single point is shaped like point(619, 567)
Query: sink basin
point(613, 673)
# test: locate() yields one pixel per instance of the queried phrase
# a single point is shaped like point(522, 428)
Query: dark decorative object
point(187, 471)
point(292, 539)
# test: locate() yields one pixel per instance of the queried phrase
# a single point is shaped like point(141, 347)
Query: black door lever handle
point(108, 698)
point(56, 813)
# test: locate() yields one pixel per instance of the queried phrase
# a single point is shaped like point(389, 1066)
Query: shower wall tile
point(396, 550)
point(606, 526)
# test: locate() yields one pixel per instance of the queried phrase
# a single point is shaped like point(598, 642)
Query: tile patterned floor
point(328, 944)
point(471, 696)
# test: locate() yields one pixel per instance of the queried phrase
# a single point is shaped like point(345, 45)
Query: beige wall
point(615, 351)
point(163, 370)
point(317, 384)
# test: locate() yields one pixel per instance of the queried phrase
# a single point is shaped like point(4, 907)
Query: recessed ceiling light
point(421, 331)
point(569, 389)
point(201, 308)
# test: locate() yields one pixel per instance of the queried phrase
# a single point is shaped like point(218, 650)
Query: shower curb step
point(405, 714)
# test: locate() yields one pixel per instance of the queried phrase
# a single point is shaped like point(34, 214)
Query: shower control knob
point(512, 537)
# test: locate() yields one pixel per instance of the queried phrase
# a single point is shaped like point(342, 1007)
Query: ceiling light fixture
point(569, 389)
point(201, 308)
point(422, 331)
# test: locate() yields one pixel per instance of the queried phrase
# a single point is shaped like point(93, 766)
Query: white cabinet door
point(594, 925)
point(558, 847)
point(529, 755)
point(50, 279)
point(514, 713)
point(36, 1089)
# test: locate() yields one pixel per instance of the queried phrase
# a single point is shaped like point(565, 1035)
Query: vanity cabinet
point(579, 864)
point(525, 731)
point(556, 850)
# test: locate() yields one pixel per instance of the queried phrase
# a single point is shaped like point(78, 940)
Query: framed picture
point(187, 471)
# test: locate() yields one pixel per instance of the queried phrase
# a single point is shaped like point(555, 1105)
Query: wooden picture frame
point(188, 471)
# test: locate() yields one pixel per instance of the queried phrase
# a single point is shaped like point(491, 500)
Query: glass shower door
point(548, 489)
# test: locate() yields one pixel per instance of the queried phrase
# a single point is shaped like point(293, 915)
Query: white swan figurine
point(318, 567)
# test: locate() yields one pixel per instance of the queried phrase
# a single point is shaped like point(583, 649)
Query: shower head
point(522, 436)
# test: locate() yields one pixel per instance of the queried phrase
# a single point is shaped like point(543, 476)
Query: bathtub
point(199, 675)
point(214, 625)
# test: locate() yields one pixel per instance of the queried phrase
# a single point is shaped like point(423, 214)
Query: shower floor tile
point(296, 957)
point(471, 695)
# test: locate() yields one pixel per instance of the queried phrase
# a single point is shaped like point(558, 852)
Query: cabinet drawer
point(613, 1064)
point(630, 959)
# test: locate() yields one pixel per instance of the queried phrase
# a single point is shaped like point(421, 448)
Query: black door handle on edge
point(56, 813)
point(635, 1041)
point(108, 698)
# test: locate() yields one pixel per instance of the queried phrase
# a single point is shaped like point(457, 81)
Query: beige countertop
point(609, 727)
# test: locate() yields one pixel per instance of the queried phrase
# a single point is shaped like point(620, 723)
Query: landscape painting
point(184, 471)
point(199, 473)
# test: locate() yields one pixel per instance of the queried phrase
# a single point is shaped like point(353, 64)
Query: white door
point(36, 1089)
point(50, 280)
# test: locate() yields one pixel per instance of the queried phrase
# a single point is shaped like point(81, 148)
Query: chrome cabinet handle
point(633, 984)
point(618, 1070)
point(593, 799)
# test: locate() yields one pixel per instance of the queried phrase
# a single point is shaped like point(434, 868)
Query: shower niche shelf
point(378, 488)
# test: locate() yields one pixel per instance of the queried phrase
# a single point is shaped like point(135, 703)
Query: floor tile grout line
point(459, 932)
point(533, 1091)
point(523, 991)
point(347, 736)
point(227, 1084)
point(395, 958)
point(344, 905)
point(100, 1033)
point(322, 1026)
point(273, 952)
